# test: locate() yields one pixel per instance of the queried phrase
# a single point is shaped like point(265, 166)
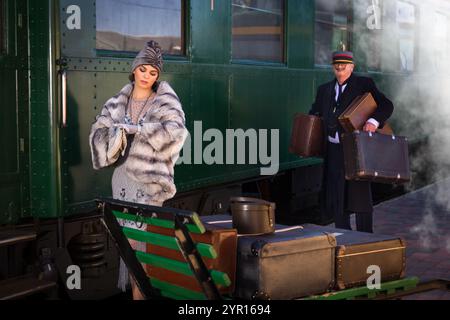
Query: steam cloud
point(427, 231)
point(411, 45)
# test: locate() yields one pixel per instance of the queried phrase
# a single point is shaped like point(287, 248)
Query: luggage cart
point(185, 223)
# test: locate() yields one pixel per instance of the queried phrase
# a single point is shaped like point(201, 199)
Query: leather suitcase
point(291, 263)
point(307, 136)
point(224, 241)
point(356, 115)
point(387, 129)
point(357, 251)
point(376, 157)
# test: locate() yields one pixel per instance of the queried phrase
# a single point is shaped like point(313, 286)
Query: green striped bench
point(183, 224)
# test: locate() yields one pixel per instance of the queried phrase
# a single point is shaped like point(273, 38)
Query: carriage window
point(406, 19)
point(125, 25)
point(333, 28)
point(440, 42)
point(258, 30)
point(371, 38)
point(2, 27)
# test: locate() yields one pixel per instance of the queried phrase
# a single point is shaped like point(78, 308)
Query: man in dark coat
point(340, 197)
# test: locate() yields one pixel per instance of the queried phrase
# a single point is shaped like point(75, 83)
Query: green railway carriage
point(239, 64)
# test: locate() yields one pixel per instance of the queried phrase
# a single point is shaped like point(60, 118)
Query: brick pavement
point(422, 218)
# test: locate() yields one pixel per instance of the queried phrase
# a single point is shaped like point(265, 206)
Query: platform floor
point(422, 218)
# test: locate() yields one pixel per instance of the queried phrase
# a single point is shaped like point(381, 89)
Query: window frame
point(3, 28)
point(379, 68)
point(415, 36)
point(441, 12)
point(350, 31)
point(185, 27)
point(254, 62)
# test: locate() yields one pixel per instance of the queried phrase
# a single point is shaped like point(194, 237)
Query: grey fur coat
point(155, 151)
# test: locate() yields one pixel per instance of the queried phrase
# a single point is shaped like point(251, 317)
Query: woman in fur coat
point(141, 132)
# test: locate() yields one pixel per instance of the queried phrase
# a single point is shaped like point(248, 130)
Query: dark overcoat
point(357, 194)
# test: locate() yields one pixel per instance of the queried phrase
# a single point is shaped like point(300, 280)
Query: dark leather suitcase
point(358, 112)
point(357, 251)
point(291, 263)
point(376, 157)
point(224, 241)
point(307, 136)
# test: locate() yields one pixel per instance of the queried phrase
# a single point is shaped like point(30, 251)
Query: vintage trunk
point(224, 241)
point(307, 136)
point(289, 264)
point(286, 265)
point(356, 115)
point(376, 157)
point(357, 252)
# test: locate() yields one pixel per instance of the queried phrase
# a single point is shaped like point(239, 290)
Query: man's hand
point(129, 128)
point(370, 127)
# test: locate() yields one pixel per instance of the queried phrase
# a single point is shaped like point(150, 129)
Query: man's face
point(343, 71)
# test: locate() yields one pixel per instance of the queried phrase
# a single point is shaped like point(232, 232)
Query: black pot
point(253, 216)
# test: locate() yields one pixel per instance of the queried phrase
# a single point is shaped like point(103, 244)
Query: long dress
point(145, 171)
point(126, 189)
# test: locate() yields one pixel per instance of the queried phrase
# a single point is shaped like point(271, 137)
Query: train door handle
point(64, 98)
point(62, 63)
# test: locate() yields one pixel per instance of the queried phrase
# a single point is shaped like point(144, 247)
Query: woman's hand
point(129, 128)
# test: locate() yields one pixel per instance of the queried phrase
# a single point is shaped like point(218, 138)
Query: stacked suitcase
point(357, 253)
point(297, 262)
point(289, 264)
point(376, 157)
point(358, 112)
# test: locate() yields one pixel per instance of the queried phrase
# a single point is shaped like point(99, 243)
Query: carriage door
point(13, 107)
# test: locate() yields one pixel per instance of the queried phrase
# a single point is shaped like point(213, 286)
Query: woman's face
point(145, 76)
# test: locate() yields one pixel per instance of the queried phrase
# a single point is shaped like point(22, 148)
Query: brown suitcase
point(376, 157)
point(224, 242)
point(357, 251)
point(356, 115)
point(387, 130)
point(307, 136)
